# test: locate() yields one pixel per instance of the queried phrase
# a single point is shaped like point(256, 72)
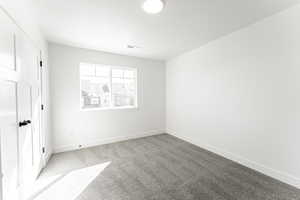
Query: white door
point(25, 137)
point(37, 137)
point(20, 111)
point(9, 139)
point(29, 112)
point(9, 77)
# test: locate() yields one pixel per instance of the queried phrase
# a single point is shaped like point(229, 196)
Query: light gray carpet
point(165, 168)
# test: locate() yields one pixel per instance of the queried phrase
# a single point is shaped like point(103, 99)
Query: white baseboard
point(276, 174)
point(92, 143)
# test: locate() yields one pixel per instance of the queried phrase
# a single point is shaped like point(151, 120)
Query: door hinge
point(42, 107)
point(41, 63)
point(43, 150)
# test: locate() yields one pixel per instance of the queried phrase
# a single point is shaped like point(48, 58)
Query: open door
point(20, 112)
point(9, 76)
point(29, 112)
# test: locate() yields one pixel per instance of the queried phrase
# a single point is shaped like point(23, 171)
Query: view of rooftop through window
point(107, 86)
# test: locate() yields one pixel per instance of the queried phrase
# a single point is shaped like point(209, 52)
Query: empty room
point(149, 100)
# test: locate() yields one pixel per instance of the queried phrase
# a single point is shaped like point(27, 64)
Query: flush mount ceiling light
point(153, 6)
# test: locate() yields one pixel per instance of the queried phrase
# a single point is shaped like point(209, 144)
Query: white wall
point(239, 96)
point(23, 13)
point(72, 127)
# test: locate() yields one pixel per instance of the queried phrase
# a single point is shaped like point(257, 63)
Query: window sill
point(107, 109)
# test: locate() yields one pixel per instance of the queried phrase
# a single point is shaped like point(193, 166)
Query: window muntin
point(107, 87)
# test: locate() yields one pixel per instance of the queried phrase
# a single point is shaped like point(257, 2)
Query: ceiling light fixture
point(153, 6)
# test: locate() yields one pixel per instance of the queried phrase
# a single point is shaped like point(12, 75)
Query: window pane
point(87, 69)
point(130, 84)
point(124, 92)
point(102, 71)
point(95, 93)
point(117, 73)
point(104, 87)
point(129, 74)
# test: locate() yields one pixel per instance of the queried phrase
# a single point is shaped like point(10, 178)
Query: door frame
point(43, 131)
point(42, 116)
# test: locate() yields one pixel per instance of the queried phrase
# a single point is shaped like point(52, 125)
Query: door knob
point(24, 123)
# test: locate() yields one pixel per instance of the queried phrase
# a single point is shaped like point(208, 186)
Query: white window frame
point(111, 93)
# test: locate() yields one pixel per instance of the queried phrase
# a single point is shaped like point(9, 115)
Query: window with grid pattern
point(107, 87)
